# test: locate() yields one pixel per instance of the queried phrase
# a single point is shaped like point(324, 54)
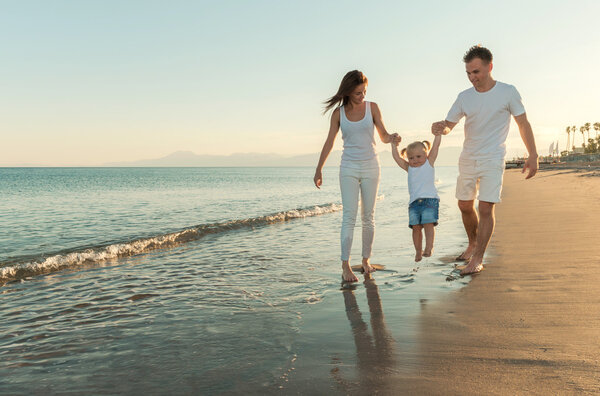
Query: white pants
point(352, 180)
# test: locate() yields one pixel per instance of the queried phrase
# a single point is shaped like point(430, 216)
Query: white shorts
point(484, 176)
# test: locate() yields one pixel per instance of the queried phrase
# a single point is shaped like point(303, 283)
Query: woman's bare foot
point(418, 256)
point(367, 269)
point(428, 253)
point(466, 255)
point(347, 274)
point(473, 266)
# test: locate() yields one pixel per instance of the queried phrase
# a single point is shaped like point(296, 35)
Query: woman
point(359, 169)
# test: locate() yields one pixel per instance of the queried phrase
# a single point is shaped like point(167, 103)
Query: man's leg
point(484, 234)
point(471, 223)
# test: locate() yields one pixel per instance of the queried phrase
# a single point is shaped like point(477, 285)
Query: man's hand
point(439, 128)
point(532, 164)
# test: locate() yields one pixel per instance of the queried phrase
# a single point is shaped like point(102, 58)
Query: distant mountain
point(448, 156)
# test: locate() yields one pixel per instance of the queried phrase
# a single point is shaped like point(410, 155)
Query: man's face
point(478, 73)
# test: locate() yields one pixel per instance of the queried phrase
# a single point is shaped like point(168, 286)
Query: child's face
point(416, 157)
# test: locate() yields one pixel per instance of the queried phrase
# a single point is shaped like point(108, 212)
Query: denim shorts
point(423, 211)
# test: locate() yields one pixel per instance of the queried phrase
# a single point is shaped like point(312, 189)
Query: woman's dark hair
point(351, 80)
point(477, 51)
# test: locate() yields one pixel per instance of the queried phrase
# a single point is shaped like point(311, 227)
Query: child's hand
point(395, 139)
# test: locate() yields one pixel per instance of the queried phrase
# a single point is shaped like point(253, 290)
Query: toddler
point(418, 159)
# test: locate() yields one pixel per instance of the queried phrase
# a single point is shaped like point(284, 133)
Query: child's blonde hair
point(425, 145)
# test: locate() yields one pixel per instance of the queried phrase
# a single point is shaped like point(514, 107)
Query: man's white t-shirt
point(487, 119)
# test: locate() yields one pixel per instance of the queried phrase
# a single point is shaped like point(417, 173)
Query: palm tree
point(582, 130)
point(597, 127)
point(586, 126)
point(569, 136)
point(591, 147)
point(573, 129)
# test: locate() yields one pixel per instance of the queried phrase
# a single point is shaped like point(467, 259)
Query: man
point(487, 107)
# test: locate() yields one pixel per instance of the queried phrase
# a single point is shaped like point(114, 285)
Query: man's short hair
point(477, 51)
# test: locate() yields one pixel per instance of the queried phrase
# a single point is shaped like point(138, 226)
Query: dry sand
point(530, 322)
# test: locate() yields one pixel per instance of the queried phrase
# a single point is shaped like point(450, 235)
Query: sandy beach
point(530, 322)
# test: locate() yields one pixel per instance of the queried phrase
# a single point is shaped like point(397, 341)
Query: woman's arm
point(383, 134)
point(334, 127)
point(399, 160)
point(433, 153)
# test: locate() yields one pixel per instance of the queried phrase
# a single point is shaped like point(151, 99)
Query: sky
point(88, 82)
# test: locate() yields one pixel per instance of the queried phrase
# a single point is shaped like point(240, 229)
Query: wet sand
point(530, 322)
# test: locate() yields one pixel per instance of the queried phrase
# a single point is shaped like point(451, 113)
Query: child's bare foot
point(367, 269)
point(473, 266)
point(428, 253)
point(418, 256)
point(347, 274)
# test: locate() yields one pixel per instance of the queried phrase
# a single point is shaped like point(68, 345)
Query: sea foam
point(20, 270)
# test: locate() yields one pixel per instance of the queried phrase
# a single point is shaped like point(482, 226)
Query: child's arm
point(399, 160)
point(433, 153)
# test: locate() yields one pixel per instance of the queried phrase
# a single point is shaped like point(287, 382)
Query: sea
point(207, 281)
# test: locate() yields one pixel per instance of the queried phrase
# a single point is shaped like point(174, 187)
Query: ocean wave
point(43, 265)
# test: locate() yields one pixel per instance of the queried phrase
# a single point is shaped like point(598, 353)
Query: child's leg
point(418, 241)
point(429, 237)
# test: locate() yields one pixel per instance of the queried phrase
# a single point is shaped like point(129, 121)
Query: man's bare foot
point(466, 255)
point(418, 256)
point(428, 253)
point(473, 266)
point(347, 274)
point(366, 267)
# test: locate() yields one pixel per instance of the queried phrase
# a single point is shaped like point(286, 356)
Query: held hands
point(395, 139)
point(532, 164)
point(439, 128)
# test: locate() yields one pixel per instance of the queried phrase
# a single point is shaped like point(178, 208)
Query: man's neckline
point(492, 87)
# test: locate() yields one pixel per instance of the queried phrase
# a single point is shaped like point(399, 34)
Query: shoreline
point(530, 322)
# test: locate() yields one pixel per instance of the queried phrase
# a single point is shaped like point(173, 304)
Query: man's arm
point(527, 135)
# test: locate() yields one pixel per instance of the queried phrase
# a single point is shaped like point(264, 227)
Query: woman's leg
point(349, 187)
point(429, 238)
point(369, 185)
point(417, 236)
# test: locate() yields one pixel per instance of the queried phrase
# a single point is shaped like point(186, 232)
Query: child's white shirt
point(421, 182)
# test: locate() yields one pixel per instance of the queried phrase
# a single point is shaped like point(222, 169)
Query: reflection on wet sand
point(375, 353)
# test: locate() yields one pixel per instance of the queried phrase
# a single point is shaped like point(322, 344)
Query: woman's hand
point(318, 179)
point(395, 139)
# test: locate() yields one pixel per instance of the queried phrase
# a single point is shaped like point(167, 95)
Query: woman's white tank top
point(421, 182)
point(359, 139)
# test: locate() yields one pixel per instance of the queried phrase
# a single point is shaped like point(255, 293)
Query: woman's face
point(358, 95)
point(416, 157)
